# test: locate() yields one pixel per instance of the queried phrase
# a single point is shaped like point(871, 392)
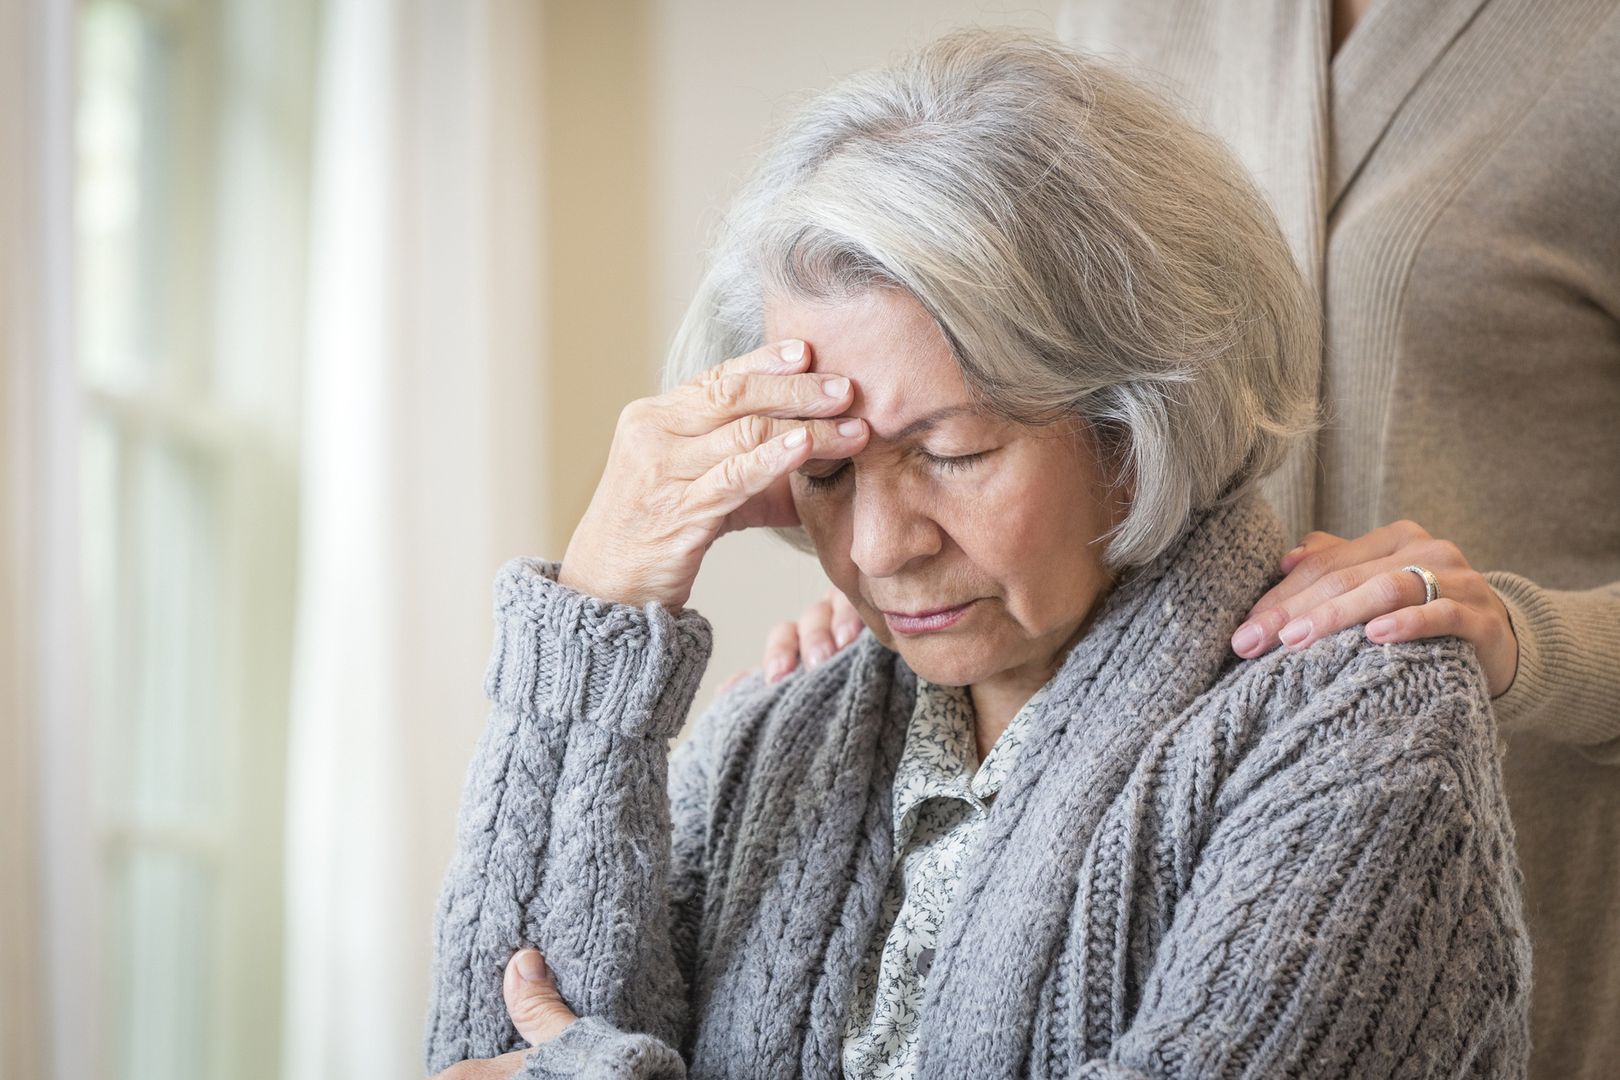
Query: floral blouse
point(942, 797)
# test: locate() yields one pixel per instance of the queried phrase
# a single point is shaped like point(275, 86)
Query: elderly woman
point(1009, 345)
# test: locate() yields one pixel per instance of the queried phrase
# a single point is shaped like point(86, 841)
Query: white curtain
point(44, 865)
point(420, 474)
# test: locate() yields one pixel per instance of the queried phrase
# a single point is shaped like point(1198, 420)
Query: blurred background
point(313, 313)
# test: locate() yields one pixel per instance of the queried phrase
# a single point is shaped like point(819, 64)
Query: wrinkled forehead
point(889, 347)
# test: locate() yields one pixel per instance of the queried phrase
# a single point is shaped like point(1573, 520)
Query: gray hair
point(1084, 249)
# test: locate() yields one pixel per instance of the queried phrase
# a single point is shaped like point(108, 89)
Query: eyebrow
point(928, 420)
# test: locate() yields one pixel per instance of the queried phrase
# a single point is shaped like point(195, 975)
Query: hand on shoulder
point(1332, 583)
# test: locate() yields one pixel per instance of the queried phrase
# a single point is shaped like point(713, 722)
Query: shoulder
point(1379, 684)
point(1414, 710)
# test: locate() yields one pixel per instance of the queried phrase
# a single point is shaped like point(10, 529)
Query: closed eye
point(828, 481)
point(954, 464)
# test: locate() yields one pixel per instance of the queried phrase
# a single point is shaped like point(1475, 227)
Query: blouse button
point(925, 960)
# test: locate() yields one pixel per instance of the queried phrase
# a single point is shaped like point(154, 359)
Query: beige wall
point(653, 112)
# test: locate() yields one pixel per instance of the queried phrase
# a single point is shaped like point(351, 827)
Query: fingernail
point(849, 427)
point(1381, 626)
point(792, 352)
point(777, 669)
point(846, 634)
point(815, 657)
point(1295, 632)
point(1247, 637)
point(529, 966)
point(795, 438)
point(835, 388)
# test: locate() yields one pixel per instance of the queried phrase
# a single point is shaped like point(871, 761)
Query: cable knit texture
point(1299, 865)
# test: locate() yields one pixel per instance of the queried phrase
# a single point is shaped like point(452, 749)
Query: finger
point(775, 509)
point(699, 408)
point(781, 651)
point(847, 622)
point(1436, 619)
point(533, 1002)
point(781, 357)
point(815, 634)
point(1387, 588)
point(1311, 544)
point(1308, 543)
point(740, 477)
point(1441, 557)
point(733, 681)
point(1323, 603)
point(670, 411)
point(1382, 575)
point(692, 457)
point(1490, 633)
point(504, 1067)
point(1328, 553)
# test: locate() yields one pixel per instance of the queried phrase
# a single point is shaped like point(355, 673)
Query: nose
point(889, 531)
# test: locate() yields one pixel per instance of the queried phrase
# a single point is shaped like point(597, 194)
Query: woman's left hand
point(1333, 583)
point(537, 1011)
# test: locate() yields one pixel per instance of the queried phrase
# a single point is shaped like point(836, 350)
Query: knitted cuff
point(1516, 706)
point(592, 1047)
point(560, 653)
point(1565, 685)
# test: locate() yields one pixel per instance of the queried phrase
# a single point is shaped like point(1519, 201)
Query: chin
point(945, 660)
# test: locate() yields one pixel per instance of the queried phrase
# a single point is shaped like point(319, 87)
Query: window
point(192, 128)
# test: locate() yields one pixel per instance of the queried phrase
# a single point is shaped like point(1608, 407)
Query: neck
point(994, 706)
point(996, 700)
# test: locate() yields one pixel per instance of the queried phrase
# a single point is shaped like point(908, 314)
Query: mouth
point(922, 622)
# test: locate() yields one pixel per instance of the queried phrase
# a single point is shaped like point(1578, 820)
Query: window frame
point(238, 148)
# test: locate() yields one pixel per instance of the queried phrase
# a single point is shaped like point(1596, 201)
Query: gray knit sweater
point(1300, 865)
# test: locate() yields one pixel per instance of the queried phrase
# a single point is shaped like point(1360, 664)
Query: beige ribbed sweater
point(1451, 182)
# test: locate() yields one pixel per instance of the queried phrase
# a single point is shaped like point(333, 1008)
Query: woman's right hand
point(708, 457)
point(825, 627)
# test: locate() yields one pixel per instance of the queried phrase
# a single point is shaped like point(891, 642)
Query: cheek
point(1009, 542)
point(1006, 520)
point(826, 521)
point(1029, 530)
point(816, 513)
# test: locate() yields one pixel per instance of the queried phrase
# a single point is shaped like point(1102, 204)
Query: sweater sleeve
point(1354, 912)
point(578, 834)
point(1567, 687)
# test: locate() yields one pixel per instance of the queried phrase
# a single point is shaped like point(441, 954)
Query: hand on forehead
point(906, 381)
